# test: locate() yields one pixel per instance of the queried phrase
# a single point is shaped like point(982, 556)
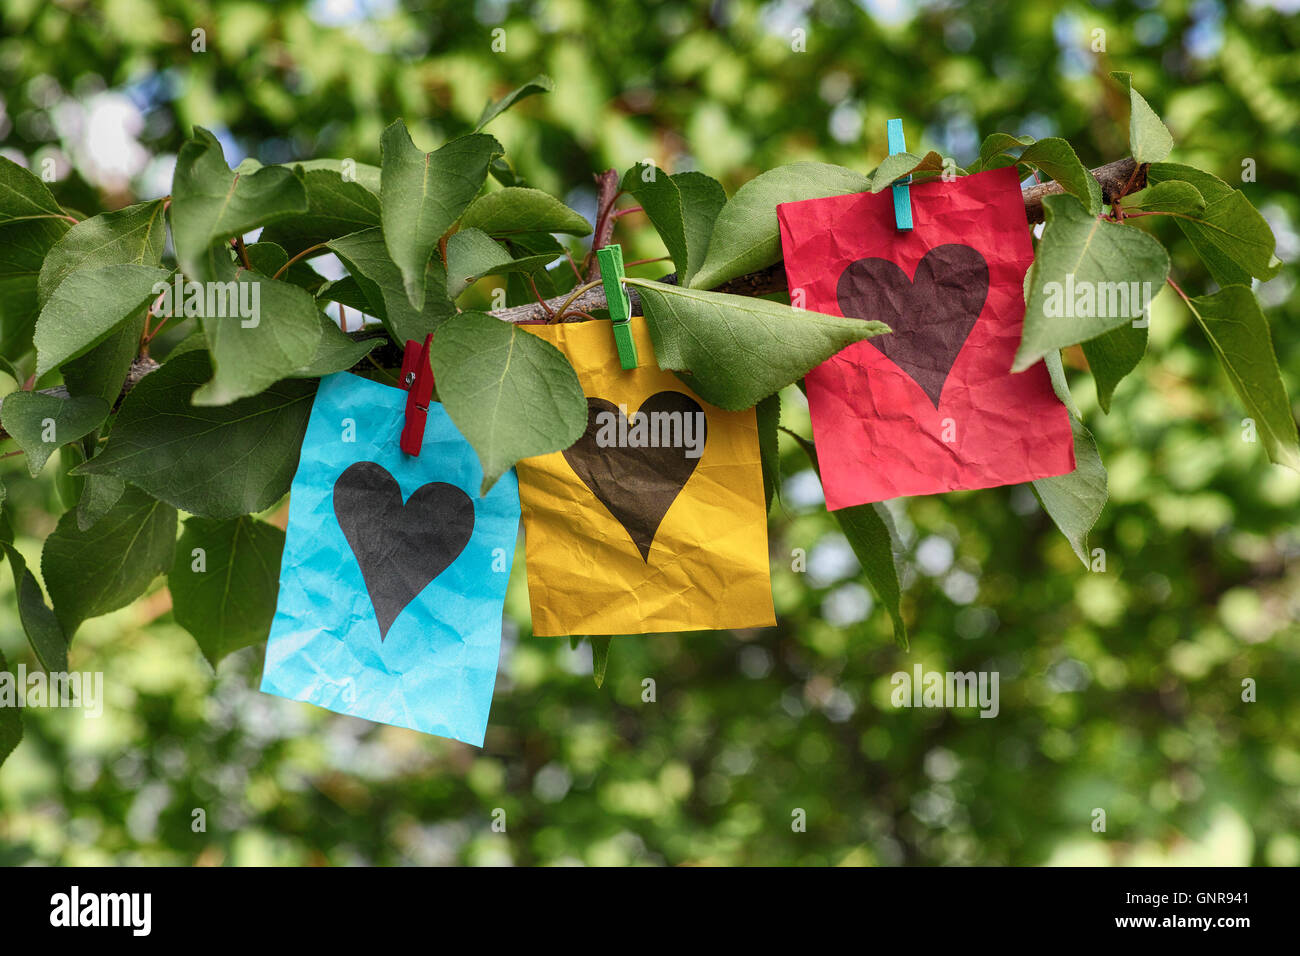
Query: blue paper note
point(394, 573)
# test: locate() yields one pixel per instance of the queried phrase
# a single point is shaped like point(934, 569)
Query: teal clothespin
point(620, 307)
point(902, 191)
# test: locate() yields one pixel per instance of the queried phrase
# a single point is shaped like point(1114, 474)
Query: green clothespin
point(620, 307)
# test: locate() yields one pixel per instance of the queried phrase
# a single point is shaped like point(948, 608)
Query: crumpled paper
point(933, 406)
point(394, 572)
point(629, 540)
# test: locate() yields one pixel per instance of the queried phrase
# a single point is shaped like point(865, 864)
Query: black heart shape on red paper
point(931, 314)
point(400, 547)
point(637, 485)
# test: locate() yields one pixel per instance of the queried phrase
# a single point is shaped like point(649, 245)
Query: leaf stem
point(238, 243)
point(1174, 285)
point(149, 334)
point(559, 313)
point(550, 314)
point(302, 255)
point(577, 273)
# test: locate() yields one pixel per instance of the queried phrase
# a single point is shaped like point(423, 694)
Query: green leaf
point(739, 350)
point(702, 200)
point(264, 256)
point(214, 461)
point(101, 372)
point(1171, 196)
point(1148, 138)
point(68, 485)
point(1056, 158)
point(23, 196)
point(249, 354)
point(363, 174)
point(345, 291)
point(134, 235)
point(1075, 501)
point(1103, 257)
point(472, 254)
point(98, 495)
point(503, 173)
point(870, 532)
point(366, 257)
point(746, 235)
point(269, 258)
point(511, 394)
point(11, 722)
point(599, 658)
point(88, 307)
point(1056, 372)
point(1112, 355)
point(424, 194)
point(868, 529)
point(1231, 237)
point(212, 203)
point(682, 208)
point(519, 209)
point(662, 201)
point(549, 283)
point(336, 351)
point(335, 207)
point(41, 423)
point(108, 566)
point(541, 83)
point(195, 340)
point(898, 165)
point(1233, 322)
point(768, 415)
point(932, 167)
point(997, 143)
point(23, 248)
point(42, 628)
point(224, 582)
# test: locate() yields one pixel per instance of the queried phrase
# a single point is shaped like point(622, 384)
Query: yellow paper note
point(655, 519)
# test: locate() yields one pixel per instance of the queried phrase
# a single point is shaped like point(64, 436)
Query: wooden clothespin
point(902, 189)
point(620, 307)
point(417, 379)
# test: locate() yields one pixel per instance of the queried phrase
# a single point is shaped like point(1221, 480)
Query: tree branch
point(140, 367)
point(607, 194)
point(1117, 179)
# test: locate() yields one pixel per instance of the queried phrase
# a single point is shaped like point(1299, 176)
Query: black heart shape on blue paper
point(400, 546)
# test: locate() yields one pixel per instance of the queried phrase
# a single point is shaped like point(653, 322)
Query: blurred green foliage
point(1120, 690)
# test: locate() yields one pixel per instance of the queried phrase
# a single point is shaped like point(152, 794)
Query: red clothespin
point(417, 379)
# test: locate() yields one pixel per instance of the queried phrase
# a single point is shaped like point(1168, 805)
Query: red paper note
point(932, 406)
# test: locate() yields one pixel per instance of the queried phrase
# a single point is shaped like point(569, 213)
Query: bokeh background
point(1120, 690)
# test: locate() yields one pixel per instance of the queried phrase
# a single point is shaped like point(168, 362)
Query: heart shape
point(931, 314)
point(637, 484)
point(399, 547)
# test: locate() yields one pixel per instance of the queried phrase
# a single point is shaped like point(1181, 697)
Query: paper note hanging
point(933, 405)
point(654, 520)
point(394, 572)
